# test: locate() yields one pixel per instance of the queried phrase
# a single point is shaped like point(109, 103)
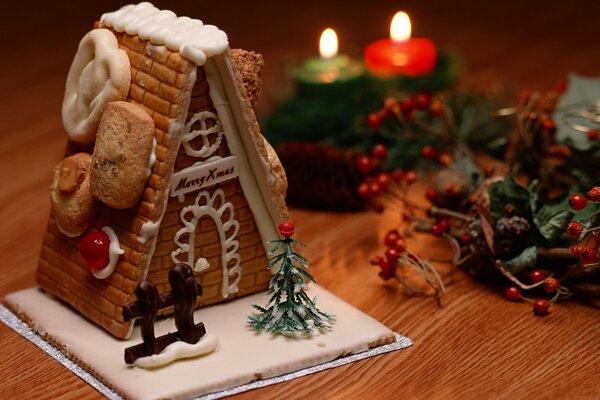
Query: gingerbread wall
point(255, 275)
point(160, 83)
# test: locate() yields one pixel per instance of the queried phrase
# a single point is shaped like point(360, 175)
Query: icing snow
point(179, 350)
point(190, 37)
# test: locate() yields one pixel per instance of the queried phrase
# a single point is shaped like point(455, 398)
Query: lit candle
point(400, 54)
point(329, 67)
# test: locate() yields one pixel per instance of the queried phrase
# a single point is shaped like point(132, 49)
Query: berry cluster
point(406, 109)
point(550, 285)
point(586, 235)
point(395, 248)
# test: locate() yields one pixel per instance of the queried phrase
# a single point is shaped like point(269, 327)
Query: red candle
point(400, 54)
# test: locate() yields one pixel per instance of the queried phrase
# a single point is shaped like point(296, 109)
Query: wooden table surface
point(476, 346)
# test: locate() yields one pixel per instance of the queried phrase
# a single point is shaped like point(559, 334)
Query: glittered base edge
point(15, 323)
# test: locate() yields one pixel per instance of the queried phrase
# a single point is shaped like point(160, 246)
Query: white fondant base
point(243, 356)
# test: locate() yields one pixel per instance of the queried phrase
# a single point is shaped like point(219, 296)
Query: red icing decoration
point(287, 229)
point(94, 248)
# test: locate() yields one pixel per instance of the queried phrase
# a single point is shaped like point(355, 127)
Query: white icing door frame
point(185, 238)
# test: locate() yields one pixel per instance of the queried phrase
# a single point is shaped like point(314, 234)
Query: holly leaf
point(533, 196)
point(526, 259)
point(552, 222)
point(508, 191)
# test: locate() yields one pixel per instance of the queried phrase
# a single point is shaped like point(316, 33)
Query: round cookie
point(73, 205)
point(122, 153)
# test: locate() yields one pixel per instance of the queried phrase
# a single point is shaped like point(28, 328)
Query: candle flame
point(400, 28)
point(328, 45)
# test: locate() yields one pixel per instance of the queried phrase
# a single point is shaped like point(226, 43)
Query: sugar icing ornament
point(100, 73)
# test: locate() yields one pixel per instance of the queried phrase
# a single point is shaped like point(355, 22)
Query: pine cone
point(475, 230)
point(320, 176)
point(511, 236)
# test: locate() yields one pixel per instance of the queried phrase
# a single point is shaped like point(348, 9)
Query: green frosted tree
point(289, 310)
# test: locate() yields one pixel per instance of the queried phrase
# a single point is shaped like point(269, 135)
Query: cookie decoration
point(122, 154)
point(73, 205)
point(100, 73)
point(179, 172)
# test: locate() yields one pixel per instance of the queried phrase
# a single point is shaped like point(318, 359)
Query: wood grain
point(476, 346)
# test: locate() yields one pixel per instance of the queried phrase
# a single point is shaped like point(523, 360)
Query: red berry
point(574, 229)
point(287, 228)
point(383, 180)
point(594, 194)
point(465, 238)
point(577, 202)
point(375, 189)
point(537, 275)
point(364, 190)
point(374, 121)
point(524, 95)
point(576, 250)
point(436, 108)
point(437, 229)
point(365, 164)
point(392, 256)
point(391, 237)
point(559, 151)
point(513, 293)
point(411, 177)
point(399, 245)
point(397, 175)
point(387, 271)
point(445, 159)
point(551, 285)
point(593, 134)
point(94, 248)
point(561, 85)
point(444, 224)
point(407, 106)
point(407, 215)
point(390, 103)
point(541, 306)
point(596, 236)
point(422, 101)
point(548, 125)
point(431, 194)
point(379, 152)
point(588, 255)
point(429, 153)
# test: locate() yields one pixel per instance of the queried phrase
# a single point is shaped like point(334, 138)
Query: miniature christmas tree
point(289, 311)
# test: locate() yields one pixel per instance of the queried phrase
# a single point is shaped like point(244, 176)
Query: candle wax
point(318, 70)
point(412, 57)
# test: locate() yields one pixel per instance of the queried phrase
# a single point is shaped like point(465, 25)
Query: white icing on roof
point(190, 37)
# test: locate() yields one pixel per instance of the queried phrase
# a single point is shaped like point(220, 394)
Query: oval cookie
point(122, 154)
point(73, 205)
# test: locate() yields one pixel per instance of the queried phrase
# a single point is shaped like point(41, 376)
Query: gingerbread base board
point(244, 361)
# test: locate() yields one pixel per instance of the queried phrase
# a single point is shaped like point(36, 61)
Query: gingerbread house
point(165, 163)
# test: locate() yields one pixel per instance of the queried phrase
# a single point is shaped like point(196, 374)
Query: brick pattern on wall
point(255, 276)
point(158, 81)
point(159, 84)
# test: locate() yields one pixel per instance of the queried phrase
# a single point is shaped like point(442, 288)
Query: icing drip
point(152, 160)
point(114, 252)
point(190, 215)
point(190, 37)
point(178, 351)
point(150, 229)
point(207, 149)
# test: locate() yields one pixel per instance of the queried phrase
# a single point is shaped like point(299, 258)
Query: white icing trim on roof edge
point(190, 37)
